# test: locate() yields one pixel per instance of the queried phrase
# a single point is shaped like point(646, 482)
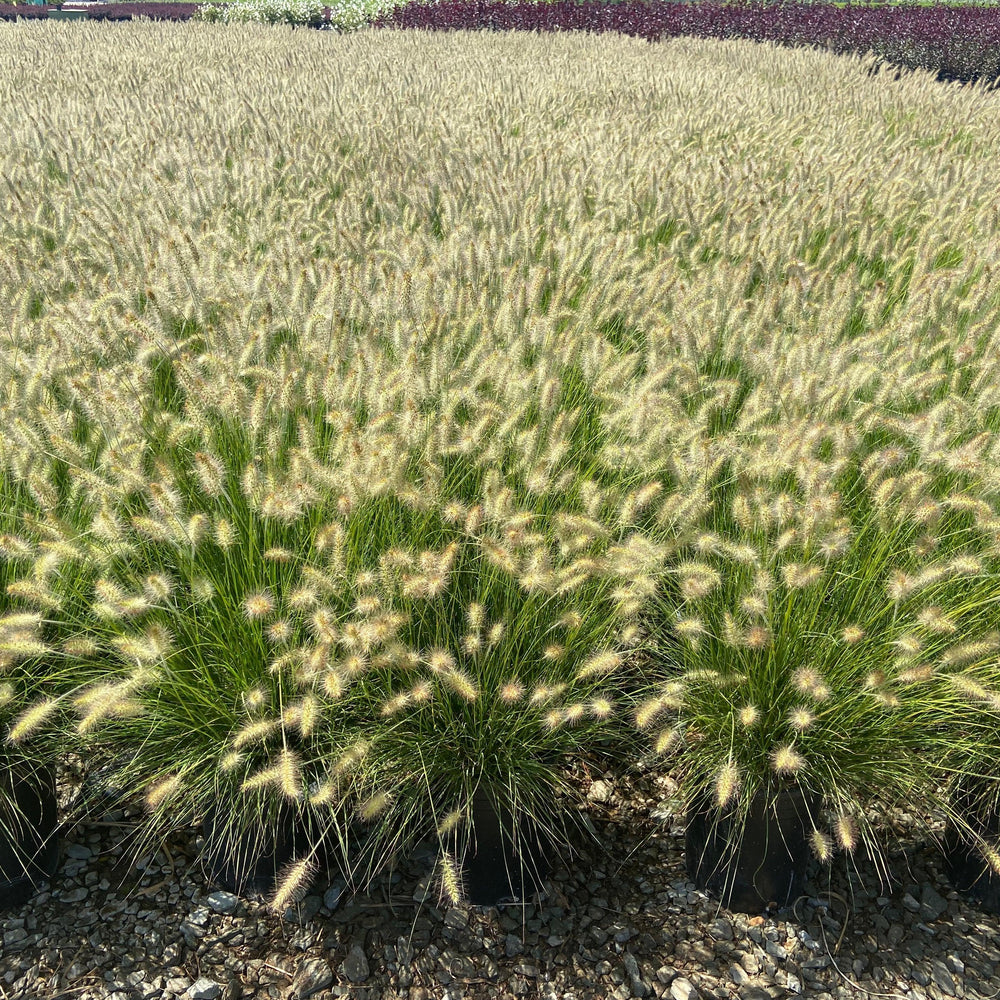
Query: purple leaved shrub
point(11, 12)
point(958, 43)
point(155, 11)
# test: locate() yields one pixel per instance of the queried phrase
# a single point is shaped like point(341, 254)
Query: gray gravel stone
point(311, 976)
point(222, 902)
point(78, 852)
point(721, 929)
point(204, 989)
point(599, 791)
point(331, 898)
point(942, 977)
point(932, 904)
point(77, 895)
point(739, 975)
point(683, 989)
point(356, 965)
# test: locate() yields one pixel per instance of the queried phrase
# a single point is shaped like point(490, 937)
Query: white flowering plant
point(819, 631)
point(342, 15)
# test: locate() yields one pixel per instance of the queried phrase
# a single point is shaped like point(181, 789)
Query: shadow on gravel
point(618, 920)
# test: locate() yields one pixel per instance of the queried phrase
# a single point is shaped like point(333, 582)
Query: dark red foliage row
point(960, 43)
point(156, 11)
point(10, 12)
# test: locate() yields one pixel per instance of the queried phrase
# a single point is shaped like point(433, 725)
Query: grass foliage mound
point(470, 403)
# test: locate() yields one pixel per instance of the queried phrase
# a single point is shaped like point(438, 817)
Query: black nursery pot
point(248, 862)
point(29, 844)
point(753, 863)
point(967, 869)
point(496, 869)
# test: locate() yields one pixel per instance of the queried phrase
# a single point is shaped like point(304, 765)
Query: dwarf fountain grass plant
point(366, 649)
point(43, 660)
point(819, 619)
point(581, 298)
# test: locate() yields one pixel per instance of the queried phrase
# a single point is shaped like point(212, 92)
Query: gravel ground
point(623, 922)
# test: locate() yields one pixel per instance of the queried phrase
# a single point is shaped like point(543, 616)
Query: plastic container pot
point(499, 868)
point(967, 869)
point(29, 844)
point(754, 862)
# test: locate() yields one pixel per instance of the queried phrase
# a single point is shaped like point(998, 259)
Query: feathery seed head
point(80, 647)
point(394, 705)
point(303, 598)
point(225, 534)
point(292, 884)
point(809, 681)
point(258, 605)
point(373, 806)
point(847, 832)
point(421, 692)
point(20, 645)
point(279, 631)
point(13, 548)
point(690, 628)
point(450, 822)
point(545, 692)
point(786, 761)
point(801, 718)
point(255, 699)
point(821, 844)
point(158, 586)
point(919, 674)
point(968, 652)
point(288, 775)
point(852, 635)
point(908, 645)
point(31, 720)
point(757, 637)
point(254, 732)
point(451, 879)
point(196, 527)
point(335, 683)
point(797, 576)
point(755, 604)
point(727, 784)
point(749, 715)
point(461, 683)
point(900, 585)
point(600, 707)
point(210, 472)
point(600, 664)
point(162, 790)
point(669, 740)
point(511, 691)
point(440, 660)
point(202, 589)
point(474, 520)
point(323, 625)
point(935, 620)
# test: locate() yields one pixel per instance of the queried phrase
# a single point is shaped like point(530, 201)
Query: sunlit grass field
point(393, 414)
